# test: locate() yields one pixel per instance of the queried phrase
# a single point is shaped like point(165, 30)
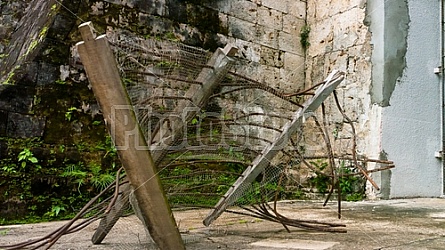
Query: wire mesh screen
point(221, 135)
point(158, 75)
point(240, 118)
point(203, 143)
point(203, 148)
point(226, 131)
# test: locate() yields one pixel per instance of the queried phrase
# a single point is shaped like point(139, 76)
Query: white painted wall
point(411, 125)
point(396, 118)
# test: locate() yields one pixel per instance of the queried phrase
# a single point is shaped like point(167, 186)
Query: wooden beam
point(102, 71)
point(105, 225)
point(262, 160)
point(219, 63)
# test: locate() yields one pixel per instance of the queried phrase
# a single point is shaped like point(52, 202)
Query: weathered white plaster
point(408, 131)
point(411, 125)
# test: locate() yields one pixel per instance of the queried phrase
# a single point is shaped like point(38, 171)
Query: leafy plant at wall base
point(98, 179)
point(61, 82)
point(92, 174)
point(74, 171)
point(52, 181)
point(348, 184)
point(9, 168)
point(354, 197)
point(96, 123)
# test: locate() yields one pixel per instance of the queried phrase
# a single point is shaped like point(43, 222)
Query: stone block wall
point(36, 95)
point(11, 13)
point(266, 32)
point(339, 40)
point(16, 49)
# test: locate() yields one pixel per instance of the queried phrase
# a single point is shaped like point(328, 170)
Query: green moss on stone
point(43, 32)
point(10, 78)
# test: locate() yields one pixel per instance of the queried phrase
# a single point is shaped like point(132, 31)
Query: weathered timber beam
point(216, 68)
point(102, 71)
point(219, 64)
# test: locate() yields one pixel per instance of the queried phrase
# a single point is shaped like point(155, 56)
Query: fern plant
point(98, 179)
point(74, 171)
point(91, 174)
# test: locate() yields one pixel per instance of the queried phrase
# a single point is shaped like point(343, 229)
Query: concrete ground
point(388, 224)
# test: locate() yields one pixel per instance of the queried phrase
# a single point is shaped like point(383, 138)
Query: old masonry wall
point(48, 108)
point(389, 50)
point(340, 39)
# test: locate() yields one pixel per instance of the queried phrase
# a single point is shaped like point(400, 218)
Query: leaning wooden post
point(219, 64)
point(100, 66)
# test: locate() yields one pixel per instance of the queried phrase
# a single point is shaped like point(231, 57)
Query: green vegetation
point(10, 79)
point(25, 157)
point(167, 64)
point(69, 113)
point(43, 32)
point(51, 182)
point(171, 37)
point(351, 185)
point(61, 82)
point(320, 181)
point(186, 186)
point(304, 36)
point(91, 174)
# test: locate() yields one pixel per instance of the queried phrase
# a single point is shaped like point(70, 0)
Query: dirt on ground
point(386, 224)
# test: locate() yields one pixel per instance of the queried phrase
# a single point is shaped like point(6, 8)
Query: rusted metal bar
point(354, 144)
point(258, 85)
point(164, 76)
point(343, 157)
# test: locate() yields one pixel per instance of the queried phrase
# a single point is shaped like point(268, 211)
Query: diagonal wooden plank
point(262, 160)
